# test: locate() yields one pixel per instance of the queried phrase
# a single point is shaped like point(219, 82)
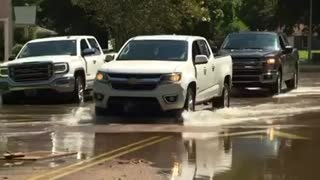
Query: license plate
point(31, 92)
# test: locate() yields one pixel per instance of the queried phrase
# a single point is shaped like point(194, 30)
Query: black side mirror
point(110, 57)
point(12, 57)
point(88, 52)
point(288, 49)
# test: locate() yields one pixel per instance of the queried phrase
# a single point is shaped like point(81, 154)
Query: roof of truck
point(60, 38)
point(256, 32)
point(168, 37)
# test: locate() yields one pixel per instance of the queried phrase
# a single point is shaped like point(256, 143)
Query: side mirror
point(110, 57)
point(12, 57)
point(88, 52)
point(288, 49)
point(201, 59)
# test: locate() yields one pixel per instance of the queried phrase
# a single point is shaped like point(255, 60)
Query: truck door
point(285, 60)
point(290, 57)
point(99, 57)
point(201, 72)
point(212, 76)
point(90, 62)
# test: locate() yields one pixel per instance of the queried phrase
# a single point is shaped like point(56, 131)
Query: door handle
point(94, 61)
point(213, 67)
point(205, 71)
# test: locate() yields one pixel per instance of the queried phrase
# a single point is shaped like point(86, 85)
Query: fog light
point(98, 96)
point(268, 77)
point(171, 99)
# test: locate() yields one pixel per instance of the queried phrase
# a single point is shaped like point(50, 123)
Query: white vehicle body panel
point(209, 78)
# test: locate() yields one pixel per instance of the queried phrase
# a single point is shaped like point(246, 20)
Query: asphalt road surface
point(261, 137)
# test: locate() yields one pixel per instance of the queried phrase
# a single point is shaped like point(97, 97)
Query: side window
point(282, 43)
point(204, 48)
point(84, 45)
point(94, 44)
point(195, 50)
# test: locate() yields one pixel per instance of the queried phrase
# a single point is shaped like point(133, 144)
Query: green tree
point(128, 18)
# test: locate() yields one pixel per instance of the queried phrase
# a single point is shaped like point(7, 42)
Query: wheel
point(224, 100)
point(189, 103)
point(100, 111)
point(276, 88)
point(79, 91)
point(293, 83)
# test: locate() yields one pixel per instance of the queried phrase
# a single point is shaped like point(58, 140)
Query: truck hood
point(54, 59)
point(249, 53)
point(148, 67)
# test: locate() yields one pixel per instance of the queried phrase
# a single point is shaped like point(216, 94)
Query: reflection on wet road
point(260, 137)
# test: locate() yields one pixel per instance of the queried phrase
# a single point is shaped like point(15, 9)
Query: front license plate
point(31, 92)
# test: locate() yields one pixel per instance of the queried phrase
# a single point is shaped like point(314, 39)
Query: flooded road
point(261, 137)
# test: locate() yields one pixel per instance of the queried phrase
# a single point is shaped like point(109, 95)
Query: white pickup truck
point(163, 72)
point(65, 65)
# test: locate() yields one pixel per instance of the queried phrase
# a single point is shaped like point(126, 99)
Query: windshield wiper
point(253, 48)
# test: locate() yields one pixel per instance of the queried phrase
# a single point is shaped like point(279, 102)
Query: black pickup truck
point(262, 59)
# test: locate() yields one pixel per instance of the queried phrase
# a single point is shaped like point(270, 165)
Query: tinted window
point(164, 50)
point(94, 44)
point(48, 48)
point(251, 41)
point(204, 48)
point(84, 45)
point(195, 50)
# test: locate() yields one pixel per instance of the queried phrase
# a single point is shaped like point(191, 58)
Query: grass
point(303, 54)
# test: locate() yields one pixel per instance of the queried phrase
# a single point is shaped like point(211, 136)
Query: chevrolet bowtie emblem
point(132, 81)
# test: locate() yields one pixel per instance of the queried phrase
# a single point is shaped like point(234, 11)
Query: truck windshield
point(251, 41)
point(160, 50)
point(49, 48)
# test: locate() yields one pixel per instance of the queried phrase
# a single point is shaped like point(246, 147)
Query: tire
point(293, 83)
point(189, 104)
point(224, 100)
point(100, 111)
point(276, 88)
point(6, 99)
point(78, 94)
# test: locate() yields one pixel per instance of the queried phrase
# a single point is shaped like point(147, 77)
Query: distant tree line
point(213, 19)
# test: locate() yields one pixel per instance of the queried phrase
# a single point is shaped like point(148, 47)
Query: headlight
point(271, 61)
point(61, 68)
point(174, 77)
point(101, 76)
point(4, 72)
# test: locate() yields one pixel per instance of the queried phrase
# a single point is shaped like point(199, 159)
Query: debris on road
point(34, 156)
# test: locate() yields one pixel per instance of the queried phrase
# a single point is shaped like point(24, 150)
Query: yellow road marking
point(288, 135)
point(93, 159)
point(85, 166)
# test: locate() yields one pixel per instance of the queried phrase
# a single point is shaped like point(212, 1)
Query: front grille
point(32, 72)
point(137, 76)
point(133, 87)
point(246, 79)
point(246, 73)
point(247, 69)
point(134, 104)
point(244, 63)
point(134, 82)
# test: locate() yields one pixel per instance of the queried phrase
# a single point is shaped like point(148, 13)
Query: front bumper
point(106, 97)
point(58, 83)
point(255, 80)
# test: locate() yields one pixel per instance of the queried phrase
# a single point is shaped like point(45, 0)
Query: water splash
point(263, 112)
point(78, 116)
